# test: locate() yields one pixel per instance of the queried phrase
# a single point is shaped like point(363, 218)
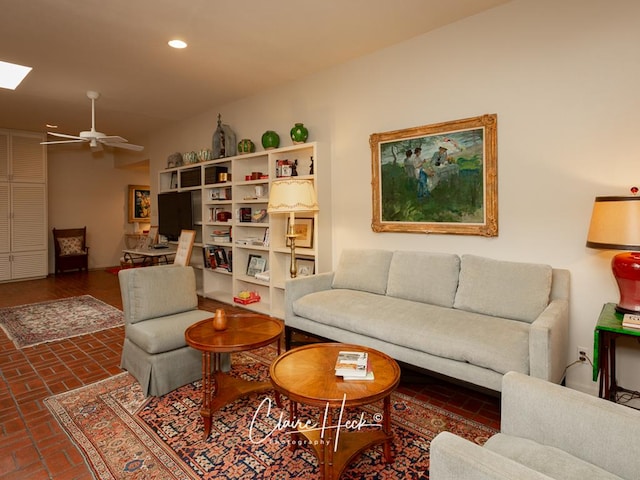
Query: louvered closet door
point(4, 156)
point(5, 238)
point(29, 217)
point(27, 164)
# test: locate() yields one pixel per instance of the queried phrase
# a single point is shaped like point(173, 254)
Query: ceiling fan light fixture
point(177, 43)
point(12, 74)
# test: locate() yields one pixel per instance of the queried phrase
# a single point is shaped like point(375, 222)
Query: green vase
point(246, 146)
point(270, 139)
point(299, 133)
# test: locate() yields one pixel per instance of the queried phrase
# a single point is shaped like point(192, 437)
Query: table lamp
point(292, 195)
point(615, 225)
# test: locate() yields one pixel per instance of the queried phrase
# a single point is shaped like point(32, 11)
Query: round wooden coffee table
point(244, 332)
point(306, 375)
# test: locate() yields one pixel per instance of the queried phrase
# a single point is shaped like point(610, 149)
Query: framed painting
point(439, 178)
point(139, 203)
point(303, 228)
point(256, 264)
point(305, 267)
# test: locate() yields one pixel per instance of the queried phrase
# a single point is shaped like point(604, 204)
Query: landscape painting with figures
point(436, 179)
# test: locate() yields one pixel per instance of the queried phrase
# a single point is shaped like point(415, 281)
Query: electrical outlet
point(582, 354)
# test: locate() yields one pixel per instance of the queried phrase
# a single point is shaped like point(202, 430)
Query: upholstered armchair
point(546, 432)
point(159, 303)
point(70, 247)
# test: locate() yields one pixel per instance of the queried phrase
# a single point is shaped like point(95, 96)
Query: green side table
point(608, 329)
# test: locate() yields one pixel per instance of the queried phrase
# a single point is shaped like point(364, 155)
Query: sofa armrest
point(548, 340)
point(452, 458)
point(296, 288)
point(598, 431)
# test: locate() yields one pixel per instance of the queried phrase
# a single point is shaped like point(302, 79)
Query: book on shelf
point(352, 364)
point(263, 276)
point(630, 320)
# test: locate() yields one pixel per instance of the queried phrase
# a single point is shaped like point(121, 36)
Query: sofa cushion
point(424, 277)
point(158, 291)
point(550, 461)
point(504, 289)
point(365, 270)
point(164, 334)
point(490, 342)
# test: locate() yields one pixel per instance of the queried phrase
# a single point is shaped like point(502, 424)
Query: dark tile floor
point(32, 444)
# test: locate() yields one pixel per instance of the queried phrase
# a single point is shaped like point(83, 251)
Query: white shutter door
point(29, 217)
point(5, 238)
point(4, 156)
point(5, 267)
point(29, 264)
point(27, 158)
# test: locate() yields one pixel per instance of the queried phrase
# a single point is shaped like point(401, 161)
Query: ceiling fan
point(92, 136)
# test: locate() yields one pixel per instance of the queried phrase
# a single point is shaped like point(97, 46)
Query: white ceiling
point(237, 48)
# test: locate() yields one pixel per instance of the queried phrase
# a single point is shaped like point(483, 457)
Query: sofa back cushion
point(519, 291)
point(365, 270)
point(153, 292)
point(424, 277)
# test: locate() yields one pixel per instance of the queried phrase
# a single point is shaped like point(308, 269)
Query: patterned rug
point(123, 435)
point(35, 323)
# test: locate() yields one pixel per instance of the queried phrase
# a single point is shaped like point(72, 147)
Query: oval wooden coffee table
point(244, 332)
point(307, 375)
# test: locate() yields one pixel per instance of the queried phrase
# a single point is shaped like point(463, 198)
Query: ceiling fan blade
point(81, 140)
point(126, 146)
point(63, 135)
point(113, 139)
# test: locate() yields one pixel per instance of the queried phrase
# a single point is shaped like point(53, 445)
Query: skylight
point(177, 43)
point(12, 74)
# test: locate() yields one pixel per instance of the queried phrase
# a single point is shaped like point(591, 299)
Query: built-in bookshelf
point(234, 230)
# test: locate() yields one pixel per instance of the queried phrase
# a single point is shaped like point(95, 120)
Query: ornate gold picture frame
point(439, 178)
point(139, 203)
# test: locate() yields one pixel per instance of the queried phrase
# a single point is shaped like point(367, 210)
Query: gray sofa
point(470, 318)
point(547, 432)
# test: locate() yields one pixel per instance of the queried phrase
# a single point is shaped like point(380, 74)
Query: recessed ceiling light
point(177, 44)
point(11, 74)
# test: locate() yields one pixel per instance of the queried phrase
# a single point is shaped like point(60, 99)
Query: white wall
point(86, 189)
point(562, 77)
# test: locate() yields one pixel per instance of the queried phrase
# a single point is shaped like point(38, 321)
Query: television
point(174, 214)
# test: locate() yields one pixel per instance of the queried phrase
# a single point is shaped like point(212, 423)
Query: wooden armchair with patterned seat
point(71, 251)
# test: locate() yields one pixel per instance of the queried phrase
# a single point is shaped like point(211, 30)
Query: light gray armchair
point(159, 304)
point(547, 432)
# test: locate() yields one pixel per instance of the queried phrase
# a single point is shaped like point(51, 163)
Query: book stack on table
point(353, 366)
point(630, 320)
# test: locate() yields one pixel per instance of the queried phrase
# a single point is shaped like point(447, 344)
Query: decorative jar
point(190, 157)
point(270, 139)
point(246, 146)
point(220, 320)
point(299, 133)
point(205, 154)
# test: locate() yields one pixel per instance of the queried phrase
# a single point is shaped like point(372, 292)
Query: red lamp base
point(626, 270)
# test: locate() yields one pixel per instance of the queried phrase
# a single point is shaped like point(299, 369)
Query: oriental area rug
point(36, 323)
point(123, 435)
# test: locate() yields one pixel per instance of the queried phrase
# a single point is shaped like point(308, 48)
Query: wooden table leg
point(602, 364)
point(293, 413)
point(207, 392)
point(386, 426)
point(613, 384)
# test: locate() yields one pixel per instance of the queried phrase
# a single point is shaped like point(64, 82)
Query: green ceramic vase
point(270, 139)
point(246, 146)
point(299, 133)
